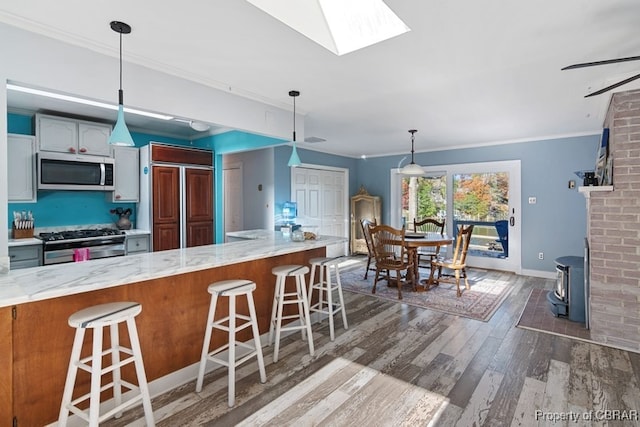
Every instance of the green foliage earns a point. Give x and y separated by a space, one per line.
480 196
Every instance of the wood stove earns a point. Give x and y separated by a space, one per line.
567 299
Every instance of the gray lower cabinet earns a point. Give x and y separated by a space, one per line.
25 256
137 244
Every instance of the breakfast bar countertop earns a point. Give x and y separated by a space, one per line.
41 283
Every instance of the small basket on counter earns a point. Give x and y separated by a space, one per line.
23 225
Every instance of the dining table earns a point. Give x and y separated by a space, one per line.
415 240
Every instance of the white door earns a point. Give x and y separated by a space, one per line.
486 195
233 203
333 203
492 246
321 196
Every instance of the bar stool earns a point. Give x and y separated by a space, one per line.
231 289
325 304
97 318
281 297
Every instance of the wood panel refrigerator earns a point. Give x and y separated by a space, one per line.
176 196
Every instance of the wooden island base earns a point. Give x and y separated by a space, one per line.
171 329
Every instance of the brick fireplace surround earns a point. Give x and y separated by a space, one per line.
614 232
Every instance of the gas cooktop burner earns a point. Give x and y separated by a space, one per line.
79 234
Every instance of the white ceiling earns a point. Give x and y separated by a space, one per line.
469 73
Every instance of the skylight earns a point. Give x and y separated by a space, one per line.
341 26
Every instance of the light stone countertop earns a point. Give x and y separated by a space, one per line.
135 232
24 242
41 283
252 234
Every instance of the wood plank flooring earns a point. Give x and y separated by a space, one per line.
399 365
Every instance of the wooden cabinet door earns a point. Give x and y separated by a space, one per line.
166 236
166 207
199 233
199 206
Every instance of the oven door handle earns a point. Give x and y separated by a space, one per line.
105 252
95 252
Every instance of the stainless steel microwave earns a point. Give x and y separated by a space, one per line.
60 171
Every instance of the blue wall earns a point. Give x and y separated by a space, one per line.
555 225
230 142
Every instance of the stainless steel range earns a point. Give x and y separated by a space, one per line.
65 246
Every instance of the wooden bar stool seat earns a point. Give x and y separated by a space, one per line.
96 318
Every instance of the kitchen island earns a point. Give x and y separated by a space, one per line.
35 304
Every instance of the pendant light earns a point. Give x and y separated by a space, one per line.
294 160
120 134
412 169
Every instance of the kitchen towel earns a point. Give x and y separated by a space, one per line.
81 254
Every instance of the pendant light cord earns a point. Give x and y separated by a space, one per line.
121 61
293 94
120 28
294 118
120 95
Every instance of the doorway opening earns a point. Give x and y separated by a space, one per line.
486 195
321 194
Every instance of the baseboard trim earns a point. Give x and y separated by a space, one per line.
539 273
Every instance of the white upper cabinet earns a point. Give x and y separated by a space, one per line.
21 170
93 138
56 134
127 175
71 136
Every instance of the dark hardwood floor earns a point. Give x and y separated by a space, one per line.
399 365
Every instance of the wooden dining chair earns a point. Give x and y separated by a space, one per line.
457 263
428 225
391 254
366 224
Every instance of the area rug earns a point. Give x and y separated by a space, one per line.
479 302
537 316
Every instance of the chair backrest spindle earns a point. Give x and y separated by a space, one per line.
429 225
